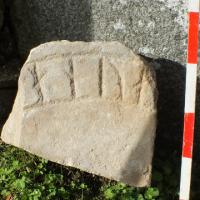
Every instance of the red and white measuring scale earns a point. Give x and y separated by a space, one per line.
190 96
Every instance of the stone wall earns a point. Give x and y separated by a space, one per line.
156 29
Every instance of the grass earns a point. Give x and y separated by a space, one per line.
27 177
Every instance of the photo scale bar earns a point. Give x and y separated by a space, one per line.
190 96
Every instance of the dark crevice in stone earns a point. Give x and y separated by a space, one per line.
10 63
7 24
72 84
100 76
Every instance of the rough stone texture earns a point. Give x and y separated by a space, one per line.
1 13
87 105
153 28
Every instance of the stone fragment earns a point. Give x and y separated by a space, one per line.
87 105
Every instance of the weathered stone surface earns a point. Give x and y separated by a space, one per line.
87 105
155 28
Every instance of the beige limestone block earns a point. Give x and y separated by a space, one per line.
87 105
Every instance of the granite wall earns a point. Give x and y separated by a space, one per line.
156 29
